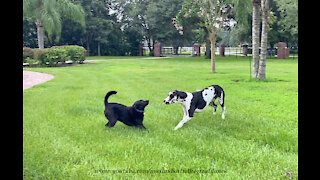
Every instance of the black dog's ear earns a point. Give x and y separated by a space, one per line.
181 94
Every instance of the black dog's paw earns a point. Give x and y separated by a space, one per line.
141 127
108 125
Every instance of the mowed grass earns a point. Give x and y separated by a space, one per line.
64 133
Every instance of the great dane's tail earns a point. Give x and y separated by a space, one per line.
107 96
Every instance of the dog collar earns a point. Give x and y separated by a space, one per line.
138 110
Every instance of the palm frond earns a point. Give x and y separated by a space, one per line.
71 11
51 22
30 8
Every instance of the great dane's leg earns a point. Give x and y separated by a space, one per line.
188 115
181 123
185 112
184 119
214 106
221 102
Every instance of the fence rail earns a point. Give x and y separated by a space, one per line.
235 51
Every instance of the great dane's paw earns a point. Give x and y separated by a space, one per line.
176 128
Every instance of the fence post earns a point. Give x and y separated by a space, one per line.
222 50
196 50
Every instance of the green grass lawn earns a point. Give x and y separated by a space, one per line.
64 133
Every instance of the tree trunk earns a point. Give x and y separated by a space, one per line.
40 34
99 54
88 49
176 49
149 44
208 47
264 37
88 45
255 38
213 42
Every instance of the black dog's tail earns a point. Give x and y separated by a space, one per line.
107 96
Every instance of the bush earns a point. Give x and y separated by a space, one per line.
37 53
52 56
75 53
31 61
27 53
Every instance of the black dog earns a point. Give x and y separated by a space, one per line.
131 116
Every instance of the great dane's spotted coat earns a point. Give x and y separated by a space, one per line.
197 101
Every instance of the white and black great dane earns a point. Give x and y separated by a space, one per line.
197 101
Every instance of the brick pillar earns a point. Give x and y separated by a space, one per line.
196 49
282 50
287 52
157 50
222 49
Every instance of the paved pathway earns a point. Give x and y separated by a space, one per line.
33 78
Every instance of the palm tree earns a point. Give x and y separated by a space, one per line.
255 36
264 37
47 15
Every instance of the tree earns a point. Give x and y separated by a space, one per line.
135 14
161 14
264 37
214 15
99 24
29 34
47 15
153 18
255 36
288 20
191 28
259 65
282 22
241 31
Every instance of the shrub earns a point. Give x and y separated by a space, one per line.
27 52
75 53
37 53
31 61
52 56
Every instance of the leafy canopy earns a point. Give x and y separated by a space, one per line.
50 13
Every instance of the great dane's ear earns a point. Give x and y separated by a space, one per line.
174 92
181 94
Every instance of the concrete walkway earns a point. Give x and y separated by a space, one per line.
33 78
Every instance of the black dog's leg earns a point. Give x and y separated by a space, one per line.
111 123
140 126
